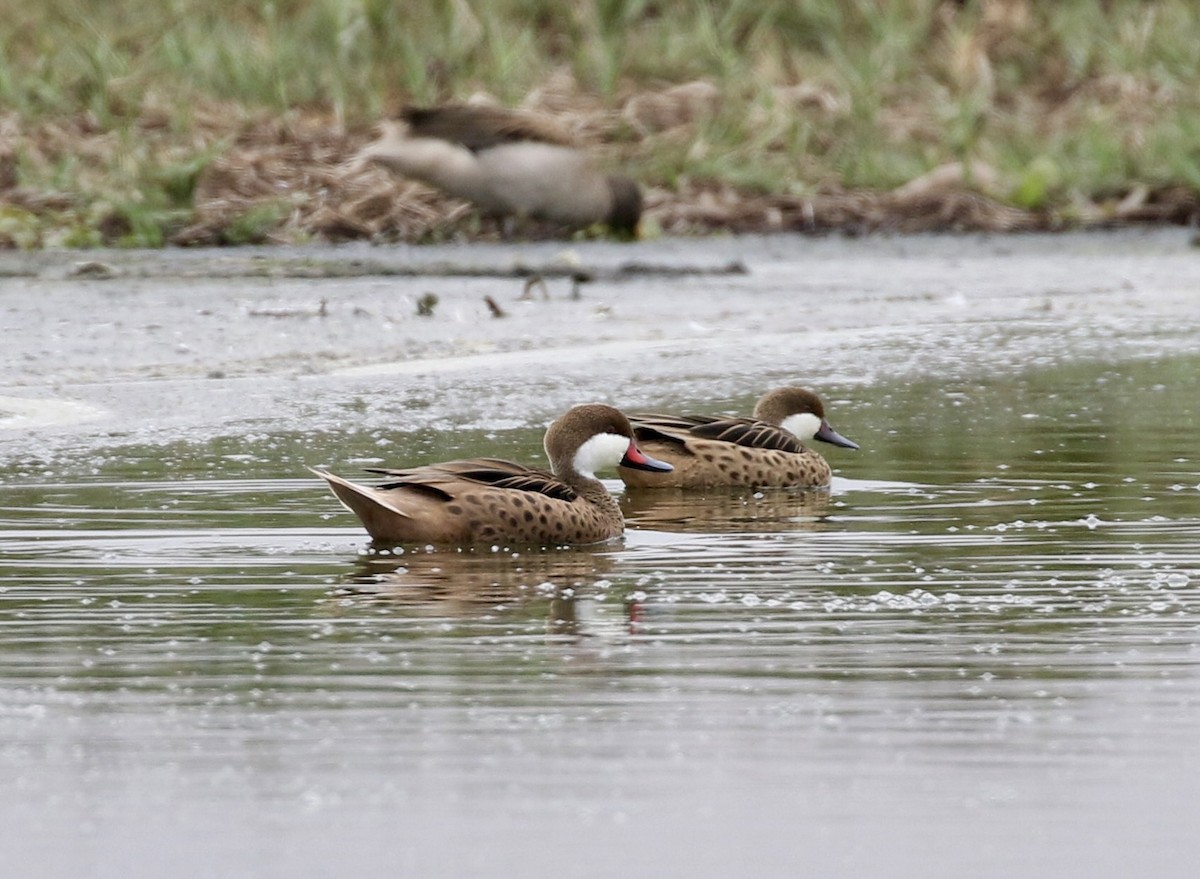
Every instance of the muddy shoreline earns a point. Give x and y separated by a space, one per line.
169 345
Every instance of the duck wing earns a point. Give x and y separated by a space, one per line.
480 128
749 432
443 479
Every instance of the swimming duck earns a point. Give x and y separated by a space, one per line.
489 500
506 162
767 449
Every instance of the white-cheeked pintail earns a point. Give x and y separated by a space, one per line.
764 450
493 501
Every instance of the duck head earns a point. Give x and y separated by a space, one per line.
800 412
595 437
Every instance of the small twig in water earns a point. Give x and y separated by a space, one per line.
494 307
426 304
577 279
530 283
321 310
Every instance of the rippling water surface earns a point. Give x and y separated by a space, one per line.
977 656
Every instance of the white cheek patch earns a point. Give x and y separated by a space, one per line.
604 451
803 425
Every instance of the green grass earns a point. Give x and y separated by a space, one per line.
1065 100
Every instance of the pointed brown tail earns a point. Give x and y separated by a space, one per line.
378 516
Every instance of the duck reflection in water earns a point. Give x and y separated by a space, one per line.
568 586
727 510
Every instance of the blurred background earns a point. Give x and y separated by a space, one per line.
205 122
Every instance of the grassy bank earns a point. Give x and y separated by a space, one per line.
206 121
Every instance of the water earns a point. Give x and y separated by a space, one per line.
977 656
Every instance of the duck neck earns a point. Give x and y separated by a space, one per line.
592 490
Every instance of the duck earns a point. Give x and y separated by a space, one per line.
509 163
766 449
495 501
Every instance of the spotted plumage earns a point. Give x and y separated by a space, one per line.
766 449
491 500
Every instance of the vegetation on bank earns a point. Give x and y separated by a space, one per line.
228 121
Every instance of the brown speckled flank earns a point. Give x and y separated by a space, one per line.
489 500
709 451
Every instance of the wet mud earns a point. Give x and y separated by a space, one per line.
168 345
